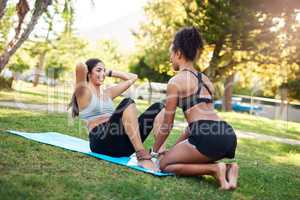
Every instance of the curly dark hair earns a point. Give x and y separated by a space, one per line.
188 40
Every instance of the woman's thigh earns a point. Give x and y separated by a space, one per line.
183 152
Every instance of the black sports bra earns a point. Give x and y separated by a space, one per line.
194 99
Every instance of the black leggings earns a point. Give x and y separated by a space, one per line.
110 138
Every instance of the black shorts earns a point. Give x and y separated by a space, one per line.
214 139
110 138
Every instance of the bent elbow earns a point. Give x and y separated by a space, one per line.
80 66
80 69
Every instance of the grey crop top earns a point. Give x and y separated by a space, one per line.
96 108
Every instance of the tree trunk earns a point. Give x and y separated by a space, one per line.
16 42
213 64
39 68
14 76
227 99
150 93
3 4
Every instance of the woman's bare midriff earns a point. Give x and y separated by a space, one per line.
202 111
99 120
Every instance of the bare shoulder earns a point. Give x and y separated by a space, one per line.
178 79
174 82
208 82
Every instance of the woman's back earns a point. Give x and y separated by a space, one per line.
195 95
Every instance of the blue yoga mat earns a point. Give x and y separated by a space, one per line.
82 146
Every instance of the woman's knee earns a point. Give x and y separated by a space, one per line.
127 101
123 105
130 112
157 106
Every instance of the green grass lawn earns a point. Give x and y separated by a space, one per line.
30 170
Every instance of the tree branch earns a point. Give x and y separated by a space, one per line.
39 8
3 4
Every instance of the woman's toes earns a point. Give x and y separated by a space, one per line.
233 174
221 176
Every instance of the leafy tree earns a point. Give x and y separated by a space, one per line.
108 51
54 69
237 33
29 14
21 34
5 24
3 4
19 63
63 54
144 71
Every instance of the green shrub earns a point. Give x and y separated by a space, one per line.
5 83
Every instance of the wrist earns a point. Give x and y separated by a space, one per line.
153 153
109 73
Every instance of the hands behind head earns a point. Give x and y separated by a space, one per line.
108 72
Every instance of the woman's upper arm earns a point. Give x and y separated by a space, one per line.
82 94
81 73
171 104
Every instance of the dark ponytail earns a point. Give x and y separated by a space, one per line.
74 105
90 63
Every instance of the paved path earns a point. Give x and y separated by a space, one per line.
35 107
178 124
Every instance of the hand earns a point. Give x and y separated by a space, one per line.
107 72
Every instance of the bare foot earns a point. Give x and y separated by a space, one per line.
220 175
233 173
161 154
148 164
